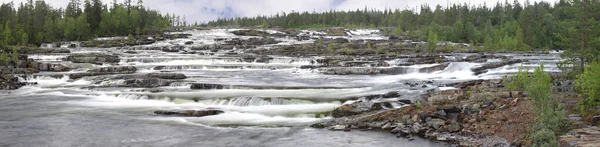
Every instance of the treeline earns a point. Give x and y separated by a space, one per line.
511 26
37 22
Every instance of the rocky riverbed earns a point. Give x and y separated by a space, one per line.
339 79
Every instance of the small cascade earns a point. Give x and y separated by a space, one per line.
112 82
133 97
47 58
282 60
216 67
254 101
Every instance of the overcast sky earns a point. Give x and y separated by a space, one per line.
206 10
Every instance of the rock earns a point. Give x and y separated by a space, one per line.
51 67
355 108
206 86
417 128
503 107
584 137
340 41
453 127
131 52
46 51
10 82
595 120
115 70
94 58
146 82
173 49
436 123
188 113
105 71
351 71
162 75
441 113
492 65
464 85
250 33
449 109
387 126
338 128
189 42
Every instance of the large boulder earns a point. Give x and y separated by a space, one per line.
115 70
250 33
10 82
188 113
94 58
589 136
51 67
492 65
104 71
351 71
207 86
147 82
167 75
355 109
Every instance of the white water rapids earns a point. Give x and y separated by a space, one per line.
276 93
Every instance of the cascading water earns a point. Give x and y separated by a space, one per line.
251 90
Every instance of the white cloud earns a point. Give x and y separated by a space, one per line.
206 10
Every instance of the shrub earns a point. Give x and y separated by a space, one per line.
544 138
518 80
432 40
550 114
15 55
418 106
3 58
588 85
332 47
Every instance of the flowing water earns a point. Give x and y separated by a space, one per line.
264 104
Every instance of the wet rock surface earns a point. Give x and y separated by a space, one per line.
188 113
94 58
10 82
250 33
484 68
105 71
167 75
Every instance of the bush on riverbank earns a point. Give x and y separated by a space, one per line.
518 80
550 114
588 85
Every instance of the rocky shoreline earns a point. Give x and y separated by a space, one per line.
476 113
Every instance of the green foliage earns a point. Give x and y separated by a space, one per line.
320 41
3 58
550 114
544 138
15 55
398 30
24 39
518 80
588 85
380 50
36 22
418 106
432 41
332 47
8 35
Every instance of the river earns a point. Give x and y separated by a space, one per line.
265 103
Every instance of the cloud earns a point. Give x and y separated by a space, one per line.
206 10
